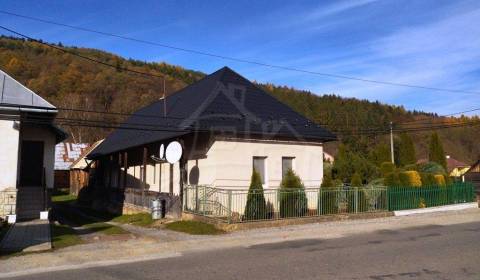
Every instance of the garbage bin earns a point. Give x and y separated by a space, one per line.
158 208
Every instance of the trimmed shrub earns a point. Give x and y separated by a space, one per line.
440 180
428 179
293 200
256 207
356 180
392 179
387 168
432 167
327 182
410 178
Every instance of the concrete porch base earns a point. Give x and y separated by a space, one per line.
31 236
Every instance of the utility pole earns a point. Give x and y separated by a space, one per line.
391 142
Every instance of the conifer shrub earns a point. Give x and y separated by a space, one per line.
440 180
357 200
392 179
293 200
387 168
410 179
428 179
356 181
327 201
256 207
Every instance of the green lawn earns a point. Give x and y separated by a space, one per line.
141 219
70 212
194 227
64 236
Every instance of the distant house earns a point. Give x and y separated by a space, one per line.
328 157
79 170
226 126
456 168
65 154
473 175
27 149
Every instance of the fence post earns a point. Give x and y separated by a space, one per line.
196 199
356 200
229 206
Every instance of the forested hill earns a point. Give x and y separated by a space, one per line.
68 81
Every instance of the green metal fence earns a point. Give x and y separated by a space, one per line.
402 198
236 206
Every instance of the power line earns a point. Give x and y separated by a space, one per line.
259 63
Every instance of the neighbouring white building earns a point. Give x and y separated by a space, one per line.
27 149
227 126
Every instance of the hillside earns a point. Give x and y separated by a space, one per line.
71 82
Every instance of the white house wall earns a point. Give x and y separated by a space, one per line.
38 133
9 131
228 163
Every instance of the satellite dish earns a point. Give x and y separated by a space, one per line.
173 153
161 152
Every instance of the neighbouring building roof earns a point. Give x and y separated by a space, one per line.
222 102
66 153
82 162
14 94
453 163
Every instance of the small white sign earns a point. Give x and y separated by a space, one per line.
44 215
161 152
11 219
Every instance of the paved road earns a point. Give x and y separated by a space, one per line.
426 252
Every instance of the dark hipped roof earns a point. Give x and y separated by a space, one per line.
223 102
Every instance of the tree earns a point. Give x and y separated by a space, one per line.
406 150
293 200
348 162
380 154
435 150
256 207
356 181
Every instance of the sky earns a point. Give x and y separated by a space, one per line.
431 43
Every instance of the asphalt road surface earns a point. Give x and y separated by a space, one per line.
427 252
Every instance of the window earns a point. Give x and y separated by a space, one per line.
259 166
287 163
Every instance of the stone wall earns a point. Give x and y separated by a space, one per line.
8 201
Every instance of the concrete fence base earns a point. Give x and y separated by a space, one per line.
283 222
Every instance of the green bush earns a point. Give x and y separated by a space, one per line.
360 198
410 178
432 167
427 179
440 180
387 168
356 180
328 201
256 207
392 179
327 182
293 200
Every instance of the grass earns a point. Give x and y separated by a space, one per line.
73 215
194 227
64 236
140 219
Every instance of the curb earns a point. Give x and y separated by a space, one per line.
454 207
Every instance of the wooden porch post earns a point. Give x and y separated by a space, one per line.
144 173
125 167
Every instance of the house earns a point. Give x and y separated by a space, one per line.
79 170
328 157
220 128
65 154
27 149
473 175
456 168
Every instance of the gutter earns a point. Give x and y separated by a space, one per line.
23 109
